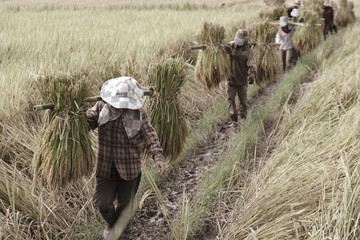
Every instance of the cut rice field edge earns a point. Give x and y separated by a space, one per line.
182 180
308 186
195 184
243 145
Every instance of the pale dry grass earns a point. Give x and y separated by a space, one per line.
309 188
122 2
103 42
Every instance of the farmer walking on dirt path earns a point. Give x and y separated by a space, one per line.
328 15
284 38
242 71
123 126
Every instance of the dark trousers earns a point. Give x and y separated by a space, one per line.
295 56
107 190
241 91
331 28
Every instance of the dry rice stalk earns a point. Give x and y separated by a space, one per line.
273 13
350 5
308 3
316 8
267 57
212 65
274 2
64 153
308 38
344 15
165 112
310 190
343 3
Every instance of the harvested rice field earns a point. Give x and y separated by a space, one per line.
287 171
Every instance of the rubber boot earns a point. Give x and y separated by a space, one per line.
234 117
243 114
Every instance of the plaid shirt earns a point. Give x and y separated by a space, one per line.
115 148
242 61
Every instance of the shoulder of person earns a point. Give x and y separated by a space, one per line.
142 110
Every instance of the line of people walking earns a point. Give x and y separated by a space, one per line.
288 25
243 66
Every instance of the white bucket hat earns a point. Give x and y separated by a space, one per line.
295 12
240 37
283 21
327 4
123 92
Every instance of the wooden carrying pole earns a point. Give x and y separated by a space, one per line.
301 24
37 108
306 24
198 47
202 47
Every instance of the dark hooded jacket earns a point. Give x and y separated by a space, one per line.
242 63
328 15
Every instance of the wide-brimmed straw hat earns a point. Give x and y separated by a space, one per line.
240 37
295 12
283 21
123 92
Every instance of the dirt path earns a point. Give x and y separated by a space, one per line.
149 222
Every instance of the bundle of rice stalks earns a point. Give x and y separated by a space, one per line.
308 3
316 8
273 14
350 7
288 184
267 57
212 64
343 3
165 112
64 152
344 14
274 2
212 33
307 38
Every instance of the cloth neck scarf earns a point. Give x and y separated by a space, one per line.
132 118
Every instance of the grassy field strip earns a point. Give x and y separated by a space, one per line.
309 186
35 211
205 200
213 3
91 39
